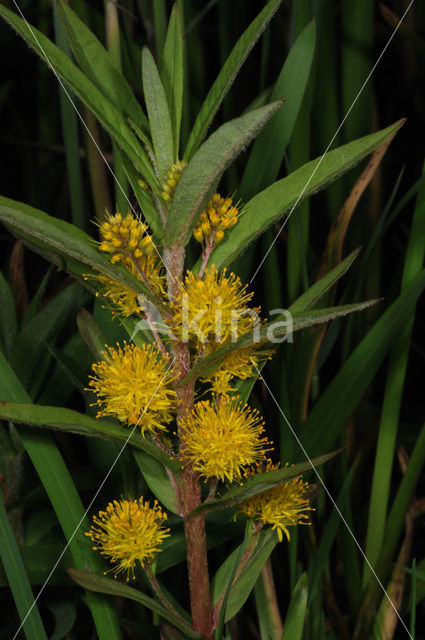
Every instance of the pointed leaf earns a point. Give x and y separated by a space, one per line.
158 114
75 422
272 332
295 618
313 294
259 483
98 65
268 206
239 592
207 166
84 88
74 249
158 478
337 403
115 588
227 75
172 74
65 500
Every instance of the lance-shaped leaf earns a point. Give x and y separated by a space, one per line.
74 422
158 114
83 87
172 74
268 206
272 332
207 166
143 196
65 245
97 64
313 294
115 588
65 500
295 618
232 593
227 75
261 482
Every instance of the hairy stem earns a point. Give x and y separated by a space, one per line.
197 563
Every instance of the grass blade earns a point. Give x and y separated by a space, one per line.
18 580
63 495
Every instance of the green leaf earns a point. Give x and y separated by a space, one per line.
98 65
207 166
115 588
144 198
338 402
172 74
269 148
159 479
18 580
158 114
259 483
63 495
227 75
84 88
75 250
268 206
313 294
31 341
272 332
91 333
295 618
75 422
240 590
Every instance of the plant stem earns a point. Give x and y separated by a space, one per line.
194 528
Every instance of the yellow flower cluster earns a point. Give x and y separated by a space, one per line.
173 177
219 439
129 531
213 308
125 238
133 384
283 506
218 216
213 312
127 241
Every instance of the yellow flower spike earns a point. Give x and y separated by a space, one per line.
133 384
283 506
217 215
216 295
220 439
173 176
126 239
129 531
